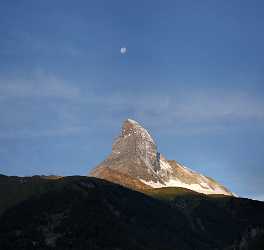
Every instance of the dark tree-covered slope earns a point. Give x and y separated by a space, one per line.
89 213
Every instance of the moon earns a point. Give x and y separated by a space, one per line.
123 50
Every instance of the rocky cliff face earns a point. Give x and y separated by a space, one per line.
136 163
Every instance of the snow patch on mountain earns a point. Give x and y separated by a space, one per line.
200 188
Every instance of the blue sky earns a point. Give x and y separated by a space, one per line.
193 75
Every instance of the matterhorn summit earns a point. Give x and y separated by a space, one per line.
136 163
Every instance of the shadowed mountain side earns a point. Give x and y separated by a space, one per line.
218 216
15 189
88 213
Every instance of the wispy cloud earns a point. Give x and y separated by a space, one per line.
48 132
40 85
179 108
68 108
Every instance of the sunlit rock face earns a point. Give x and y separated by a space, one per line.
135 157
135 142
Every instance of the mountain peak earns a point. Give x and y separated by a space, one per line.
132 128
134 155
